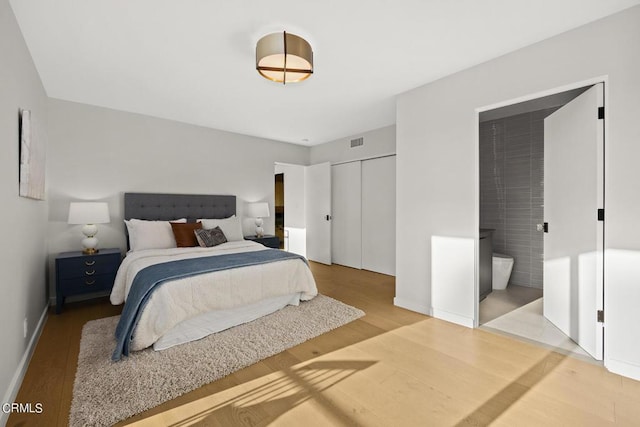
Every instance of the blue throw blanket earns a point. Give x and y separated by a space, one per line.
150 278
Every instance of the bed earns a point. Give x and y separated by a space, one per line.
175 295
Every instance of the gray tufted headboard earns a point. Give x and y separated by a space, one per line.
165 207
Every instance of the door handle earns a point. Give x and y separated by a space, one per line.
328 217
543 227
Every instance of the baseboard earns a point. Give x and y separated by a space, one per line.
16 381
411 305
78 298
623 368
453 318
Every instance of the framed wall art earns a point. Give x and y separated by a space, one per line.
32 159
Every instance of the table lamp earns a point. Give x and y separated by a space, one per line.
258 211
89 214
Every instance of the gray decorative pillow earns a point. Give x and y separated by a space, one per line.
209 238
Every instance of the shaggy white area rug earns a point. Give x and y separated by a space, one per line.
105 392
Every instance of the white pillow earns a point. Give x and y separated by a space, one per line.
151 234
231 227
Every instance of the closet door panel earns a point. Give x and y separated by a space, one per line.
379 215
346 231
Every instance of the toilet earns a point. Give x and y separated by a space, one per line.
501 271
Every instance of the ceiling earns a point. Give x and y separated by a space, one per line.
194 60
550 101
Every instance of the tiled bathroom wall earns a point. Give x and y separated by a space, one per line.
512 190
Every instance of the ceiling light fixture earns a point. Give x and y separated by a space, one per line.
284 58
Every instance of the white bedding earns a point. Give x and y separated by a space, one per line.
218 320
182 299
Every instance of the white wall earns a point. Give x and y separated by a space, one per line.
450 278
437 163
98 154
23 254
379 215
378 142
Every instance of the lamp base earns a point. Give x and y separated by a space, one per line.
90 245
259 229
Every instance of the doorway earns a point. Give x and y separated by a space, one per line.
279 207
527 165
289 197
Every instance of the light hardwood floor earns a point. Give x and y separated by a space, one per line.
390 368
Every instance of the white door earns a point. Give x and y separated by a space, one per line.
379 215
318 212
346 222
573 245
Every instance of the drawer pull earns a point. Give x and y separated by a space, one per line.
90 282
87 263
90 273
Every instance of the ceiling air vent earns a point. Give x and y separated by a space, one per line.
357 142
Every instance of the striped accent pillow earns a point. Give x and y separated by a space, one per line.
211 237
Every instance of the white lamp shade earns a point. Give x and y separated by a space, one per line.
88 213
258 210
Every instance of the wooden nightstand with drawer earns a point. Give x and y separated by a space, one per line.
77 273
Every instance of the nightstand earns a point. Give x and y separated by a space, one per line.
268 240
77 273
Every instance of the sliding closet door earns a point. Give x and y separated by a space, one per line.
346 231
379 215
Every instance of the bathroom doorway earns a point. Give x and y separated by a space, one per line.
512 218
